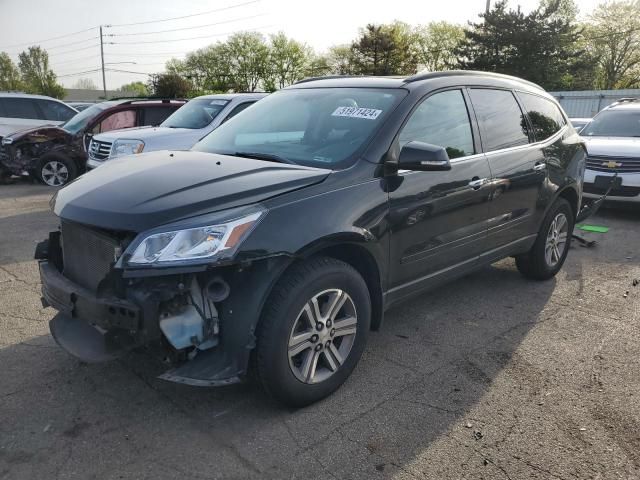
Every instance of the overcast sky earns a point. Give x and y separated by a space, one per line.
319 23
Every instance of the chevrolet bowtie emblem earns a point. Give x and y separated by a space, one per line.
611 164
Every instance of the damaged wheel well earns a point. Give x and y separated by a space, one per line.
571 196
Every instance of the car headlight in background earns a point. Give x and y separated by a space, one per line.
127 147
7 141
194 243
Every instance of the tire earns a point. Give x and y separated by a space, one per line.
283 373
542 262
56 171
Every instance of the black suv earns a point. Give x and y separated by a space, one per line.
282 237
57 154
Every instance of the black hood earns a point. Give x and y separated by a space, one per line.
42 133
145 191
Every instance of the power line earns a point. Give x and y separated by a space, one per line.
146 54
72 60
79 73
65 44
74 50
185 16
187 28
49 39
127 71
186 39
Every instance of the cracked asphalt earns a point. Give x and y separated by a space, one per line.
490 377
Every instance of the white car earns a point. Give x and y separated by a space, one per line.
180 131
21 110
612 140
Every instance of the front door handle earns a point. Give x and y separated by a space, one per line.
476 182
539 166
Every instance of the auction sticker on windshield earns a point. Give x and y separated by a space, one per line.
354 112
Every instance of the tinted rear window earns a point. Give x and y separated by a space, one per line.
546 119
20 108
156 115
502 124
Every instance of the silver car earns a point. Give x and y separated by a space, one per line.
180 131
612 140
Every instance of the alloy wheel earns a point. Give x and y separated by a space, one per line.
55 173
322 336
556 242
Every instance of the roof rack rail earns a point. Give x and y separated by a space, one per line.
137 99
627 100
323 77
454 73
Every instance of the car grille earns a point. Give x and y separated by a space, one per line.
99 150
87 255
614 164
619 192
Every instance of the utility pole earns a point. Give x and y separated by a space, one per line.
104 81
488 6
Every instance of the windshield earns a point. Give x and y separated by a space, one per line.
80 120
319 127
614 123
195 114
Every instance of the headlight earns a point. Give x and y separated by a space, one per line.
7 141
126 147
194 243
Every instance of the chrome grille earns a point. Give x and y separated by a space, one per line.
613 164
99 150
87 255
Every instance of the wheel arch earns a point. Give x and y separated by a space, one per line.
365 263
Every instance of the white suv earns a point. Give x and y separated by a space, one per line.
180 131
21 110
612 140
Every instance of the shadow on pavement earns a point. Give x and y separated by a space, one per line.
434 359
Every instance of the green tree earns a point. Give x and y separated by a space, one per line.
436 45
247 55
139 89
384 50
341 60
542 46
9 73
169 85
288 61
36 74
613 38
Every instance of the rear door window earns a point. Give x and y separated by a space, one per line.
156 115
116 121
443 120
20 108
55 111
502 123
545 116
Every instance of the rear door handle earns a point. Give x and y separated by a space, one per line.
539 166
476 183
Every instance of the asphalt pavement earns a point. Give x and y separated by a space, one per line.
490 377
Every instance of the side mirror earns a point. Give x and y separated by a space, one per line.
423 157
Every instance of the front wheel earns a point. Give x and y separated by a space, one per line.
313 331
56 171
549 252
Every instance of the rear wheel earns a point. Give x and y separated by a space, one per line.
313 331
56 171
549 252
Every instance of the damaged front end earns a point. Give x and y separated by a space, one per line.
195 318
